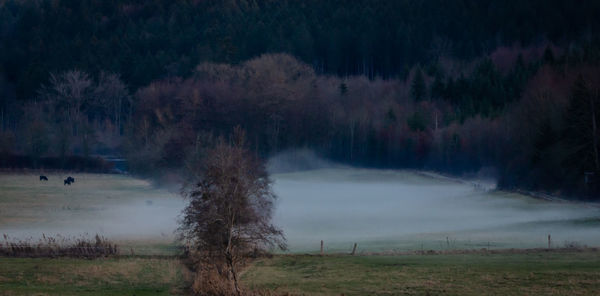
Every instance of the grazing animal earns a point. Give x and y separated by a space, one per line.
43 178
71 179
67 182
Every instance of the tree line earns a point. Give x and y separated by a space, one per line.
158 82
542 133
148 40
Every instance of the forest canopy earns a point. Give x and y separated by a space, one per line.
147 40
458 87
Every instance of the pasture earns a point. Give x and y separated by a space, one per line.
384 211
538 273
381 210
112 276
132 212
390 210
575 272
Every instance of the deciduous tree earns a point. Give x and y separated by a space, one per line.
230 208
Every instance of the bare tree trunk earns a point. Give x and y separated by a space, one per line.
146 127
130 109
351 140
594 131
233 273
118 112
229 256
274 137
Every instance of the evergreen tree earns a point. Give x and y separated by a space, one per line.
343 88
437 87
548 55
581 132
418 89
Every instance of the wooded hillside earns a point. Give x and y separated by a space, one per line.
511 87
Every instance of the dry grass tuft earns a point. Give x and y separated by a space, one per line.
58 247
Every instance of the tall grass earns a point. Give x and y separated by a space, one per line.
59 246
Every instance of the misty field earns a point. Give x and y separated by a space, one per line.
387 210
378 209
124 209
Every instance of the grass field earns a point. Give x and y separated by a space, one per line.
65 276
406 212
129 211
538 273
381 210
574 273
399 210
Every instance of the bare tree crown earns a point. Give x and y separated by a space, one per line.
231 204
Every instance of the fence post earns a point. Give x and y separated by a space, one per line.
549 241
321 247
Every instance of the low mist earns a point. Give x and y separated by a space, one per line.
115 206
133 221
407 210
298 160
381 210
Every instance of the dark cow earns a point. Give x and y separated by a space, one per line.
67 182
71 179
43 178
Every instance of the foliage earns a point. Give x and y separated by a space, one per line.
149 40
399 84
418 89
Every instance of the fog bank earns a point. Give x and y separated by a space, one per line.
403 210
115 206
381 210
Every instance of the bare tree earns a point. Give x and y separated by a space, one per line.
34 133
69 92
111 96
230 208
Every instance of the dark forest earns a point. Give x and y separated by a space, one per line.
511 88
